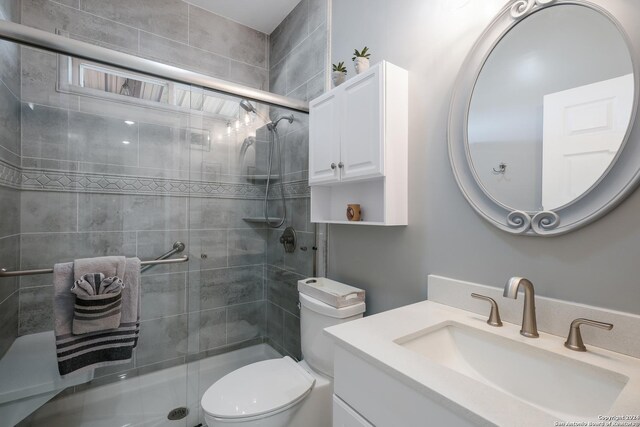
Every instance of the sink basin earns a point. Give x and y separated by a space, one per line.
560 385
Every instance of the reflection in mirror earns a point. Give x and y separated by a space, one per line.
552 104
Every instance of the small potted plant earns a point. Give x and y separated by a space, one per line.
361 60
339 74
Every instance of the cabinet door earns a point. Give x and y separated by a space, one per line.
324 139
361 151
344 416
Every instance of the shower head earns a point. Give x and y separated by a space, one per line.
248 107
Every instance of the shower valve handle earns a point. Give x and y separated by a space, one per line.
340 165
333 166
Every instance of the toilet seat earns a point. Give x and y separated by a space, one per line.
258 390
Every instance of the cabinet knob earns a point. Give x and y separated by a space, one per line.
340 165
333 165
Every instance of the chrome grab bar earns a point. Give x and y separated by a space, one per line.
177 247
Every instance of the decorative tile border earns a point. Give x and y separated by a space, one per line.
83 182
10 175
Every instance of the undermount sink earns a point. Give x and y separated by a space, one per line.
560 385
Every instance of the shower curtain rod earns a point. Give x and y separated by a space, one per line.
32 37
5 273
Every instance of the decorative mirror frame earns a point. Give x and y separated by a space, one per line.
623 175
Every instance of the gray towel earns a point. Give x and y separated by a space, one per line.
94 350
110 266
98 303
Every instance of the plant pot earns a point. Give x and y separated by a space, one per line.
361 64
338 77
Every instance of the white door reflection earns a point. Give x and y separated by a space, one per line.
582 132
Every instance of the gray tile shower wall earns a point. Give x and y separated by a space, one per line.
298 52
170 31
297 68
9 177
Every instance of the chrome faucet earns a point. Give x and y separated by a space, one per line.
529 327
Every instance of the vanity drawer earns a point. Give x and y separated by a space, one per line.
345 416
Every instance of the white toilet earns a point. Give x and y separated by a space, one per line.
282 392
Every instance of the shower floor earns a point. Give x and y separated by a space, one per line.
145 401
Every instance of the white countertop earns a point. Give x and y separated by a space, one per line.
372 338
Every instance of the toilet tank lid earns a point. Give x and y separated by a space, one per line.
330 292
326 310
257 389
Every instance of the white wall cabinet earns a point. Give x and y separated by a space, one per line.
358 138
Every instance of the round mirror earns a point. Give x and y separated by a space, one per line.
550 109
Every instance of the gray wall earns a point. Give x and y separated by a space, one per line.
298 64
9 177
596 265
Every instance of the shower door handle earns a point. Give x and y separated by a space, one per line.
333 166
340 165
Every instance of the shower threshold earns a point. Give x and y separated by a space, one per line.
145 400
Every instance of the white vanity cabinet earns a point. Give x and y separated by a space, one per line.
345 416
358 137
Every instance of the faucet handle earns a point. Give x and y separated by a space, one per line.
574 340
494 315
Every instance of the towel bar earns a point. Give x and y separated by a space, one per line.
5 273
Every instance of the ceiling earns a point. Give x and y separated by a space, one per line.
261 15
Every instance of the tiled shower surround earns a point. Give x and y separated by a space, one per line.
9 178
84 193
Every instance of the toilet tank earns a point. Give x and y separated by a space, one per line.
315 316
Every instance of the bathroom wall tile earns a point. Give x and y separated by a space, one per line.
36 314
228 286
245 321
71 3
162 339
152 244
275 324
317 13
212 32
49 16
297 213
39 80
43 250
307 59
167 18
117 212
184 56
163 295
212 213
98 139
43 211
275 250
291 335
296 156
208 249
8 323
9 211
163 147
278 78
10 258
45 132
301 261
10 10
10 71
212 329
9 120
282 289
247 247
249 75
291 31
316 86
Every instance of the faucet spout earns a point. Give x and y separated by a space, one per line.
529 324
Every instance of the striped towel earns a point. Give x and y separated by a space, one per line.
98 303
96 349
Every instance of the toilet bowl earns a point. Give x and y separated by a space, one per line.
283 392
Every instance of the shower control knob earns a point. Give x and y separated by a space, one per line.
333 165
340 165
